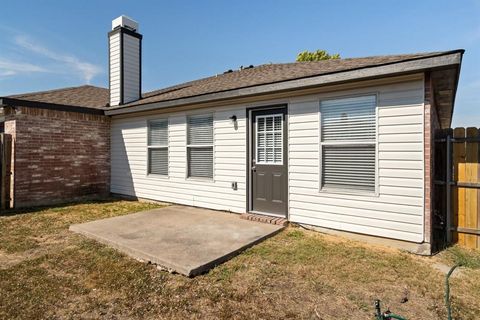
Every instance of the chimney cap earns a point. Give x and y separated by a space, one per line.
125 22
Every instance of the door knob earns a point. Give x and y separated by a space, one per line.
254 168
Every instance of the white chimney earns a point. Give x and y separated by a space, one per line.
125 61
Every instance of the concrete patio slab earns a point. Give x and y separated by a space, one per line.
187 240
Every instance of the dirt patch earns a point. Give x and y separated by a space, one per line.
8 260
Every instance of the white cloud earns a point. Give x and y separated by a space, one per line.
10 68
84 69
6 73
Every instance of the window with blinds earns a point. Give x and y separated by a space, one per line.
200 146
348 144
158 147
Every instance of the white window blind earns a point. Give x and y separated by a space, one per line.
200 146
349 143
158 147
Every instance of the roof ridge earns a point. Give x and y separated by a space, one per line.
424 54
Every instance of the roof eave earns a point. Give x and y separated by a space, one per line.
5 101
419 65
457 80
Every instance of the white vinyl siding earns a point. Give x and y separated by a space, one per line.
158 147
348 143
396 210
200 146
131 68
114 42
129 165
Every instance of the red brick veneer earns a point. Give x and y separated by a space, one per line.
58 156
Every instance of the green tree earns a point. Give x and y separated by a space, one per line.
316 55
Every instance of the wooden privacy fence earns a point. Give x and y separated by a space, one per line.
457 190
5 170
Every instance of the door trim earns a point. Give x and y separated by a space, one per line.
249 160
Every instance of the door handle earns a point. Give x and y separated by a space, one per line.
254 168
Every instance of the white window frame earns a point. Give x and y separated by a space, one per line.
281 143
155 146
347 191
188 145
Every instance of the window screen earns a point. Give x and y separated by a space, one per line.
348 143
158 147
200 146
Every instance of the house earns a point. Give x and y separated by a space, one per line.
340 144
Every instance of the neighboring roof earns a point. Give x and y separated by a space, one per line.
270 74
83 96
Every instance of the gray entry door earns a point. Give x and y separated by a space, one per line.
269 161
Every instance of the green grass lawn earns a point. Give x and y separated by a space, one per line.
48 272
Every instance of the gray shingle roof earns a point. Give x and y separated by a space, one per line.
272 73
83 96
98 98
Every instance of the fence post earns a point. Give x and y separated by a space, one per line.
2 172
478 190
448 186
459 175
5 158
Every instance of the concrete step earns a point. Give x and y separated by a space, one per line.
265 219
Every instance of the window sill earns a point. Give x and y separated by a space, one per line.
200 179
157 176
349 192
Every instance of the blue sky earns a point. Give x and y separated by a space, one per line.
51 44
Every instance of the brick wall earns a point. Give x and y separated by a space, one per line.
58 156
431 125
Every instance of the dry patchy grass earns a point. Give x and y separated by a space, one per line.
48 272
